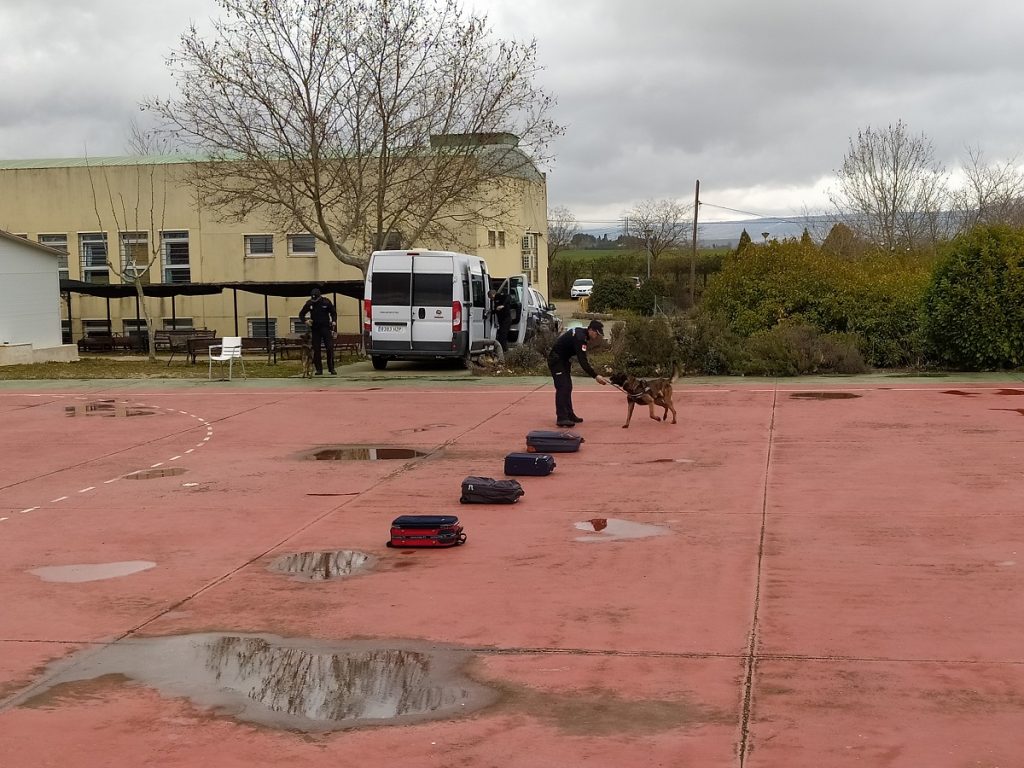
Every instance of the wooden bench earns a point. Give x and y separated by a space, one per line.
200 345
101 342
177 340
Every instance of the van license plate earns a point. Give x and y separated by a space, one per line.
390 328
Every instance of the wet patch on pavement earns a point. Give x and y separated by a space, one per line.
322 566
611 529
959 392
823 395
76 574
153 474
1010 392
365 453
285 683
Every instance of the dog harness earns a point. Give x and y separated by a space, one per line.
643 391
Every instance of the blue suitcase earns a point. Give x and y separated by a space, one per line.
537 464
550 441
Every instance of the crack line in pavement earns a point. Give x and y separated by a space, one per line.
748 677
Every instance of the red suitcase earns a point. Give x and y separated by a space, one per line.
426 531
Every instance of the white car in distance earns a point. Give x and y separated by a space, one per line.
582 287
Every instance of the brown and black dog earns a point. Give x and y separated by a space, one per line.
306 355
649 392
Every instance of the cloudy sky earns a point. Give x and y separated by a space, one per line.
756 98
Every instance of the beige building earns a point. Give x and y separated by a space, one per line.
141 210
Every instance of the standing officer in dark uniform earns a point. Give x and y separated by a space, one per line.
572 344
322 322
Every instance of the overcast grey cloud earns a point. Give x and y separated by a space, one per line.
756 99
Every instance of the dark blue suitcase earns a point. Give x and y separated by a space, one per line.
549 441
537 464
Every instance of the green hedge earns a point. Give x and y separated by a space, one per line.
974 306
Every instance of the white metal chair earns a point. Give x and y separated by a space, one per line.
229 350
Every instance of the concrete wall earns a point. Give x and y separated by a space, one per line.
29 295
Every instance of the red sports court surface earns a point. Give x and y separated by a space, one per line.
792 575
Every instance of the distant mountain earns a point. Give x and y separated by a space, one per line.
712 234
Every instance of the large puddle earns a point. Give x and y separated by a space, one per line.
322 566
365 453
105 408
76 574
611 529
285 683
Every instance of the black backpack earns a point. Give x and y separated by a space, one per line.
487 490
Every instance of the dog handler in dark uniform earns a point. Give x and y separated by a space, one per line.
323 320
572 344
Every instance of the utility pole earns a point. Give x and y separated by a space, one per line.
693 255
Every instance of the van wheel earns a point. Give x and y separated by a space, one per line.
379 363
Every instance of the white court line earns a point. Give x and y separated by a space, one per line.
114 480
154 466
54 501
206 438
199 445
174 458
190 450
90 488
2 519
26 511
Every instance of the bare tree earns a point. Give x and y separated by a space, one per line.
891 189
363 122
562 228
660 225
138 220
992 193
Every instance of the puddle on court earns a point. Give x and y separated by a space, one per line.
612 529
1010 392
823 395
106 408
152 474
365 453
959 392
322 566
76 574
292 684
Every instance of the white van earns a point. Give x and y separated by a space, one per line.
421 305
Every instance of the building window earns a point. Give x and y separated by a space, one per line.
65 331
298 326
496 238
135 256
262 328
301 245
95 328
92 250
392 241
58 243
134 326
259 245
174 252
178 324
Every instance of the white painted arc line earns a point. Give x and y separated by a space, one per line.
154 466
114 480
206 438
60 498
174 458
26 511
2 519
190 450
86 490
